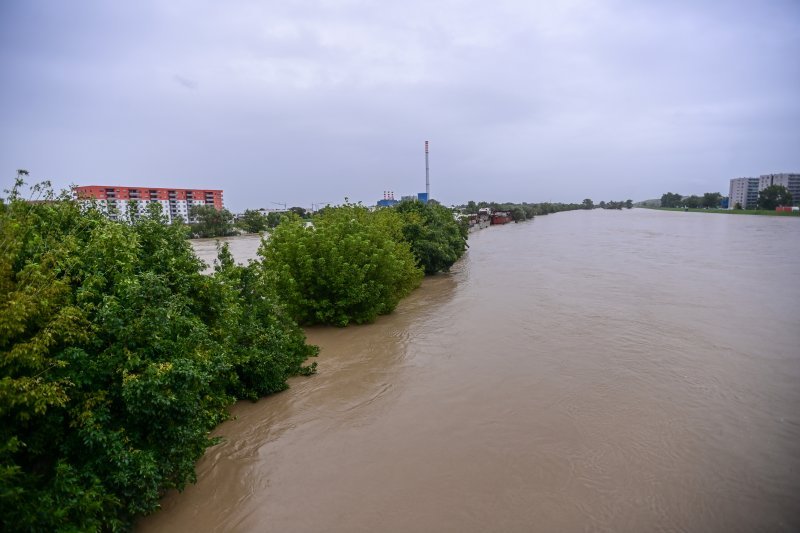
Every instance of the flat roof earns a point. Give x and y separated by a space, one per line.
149 188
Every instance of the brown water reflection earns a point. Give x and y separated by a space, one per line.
609 371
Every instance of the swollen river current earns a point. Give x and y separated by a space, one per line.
598 370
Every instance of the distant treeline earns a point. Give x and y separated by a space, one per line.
709 200
525 211
611 204
208 221
768 199
520 212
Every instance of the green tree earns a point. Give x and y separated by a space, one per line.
436 238
629 204
252 221
588 204
671 200
299 211
209 221
350 266
530 210
517 214
117 356
264 345
274 218
693 202
711 200
773 196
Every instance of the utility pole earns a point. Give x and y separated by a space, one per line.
280 203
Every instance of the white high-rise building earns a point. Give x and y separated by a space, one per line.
744 192
116 200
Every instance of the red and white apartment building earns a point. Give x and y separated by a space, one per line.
116 200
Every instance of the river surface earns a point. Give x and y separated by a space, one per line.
243 247
586 371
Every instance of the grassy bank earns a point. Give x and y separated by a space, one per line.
732 211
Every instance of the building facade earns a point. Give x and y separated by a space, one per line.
116 201
790 181
744 192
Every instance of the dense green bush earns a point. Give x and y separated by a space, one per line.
437 240
117 356
350 266
252 221
208 221
264 344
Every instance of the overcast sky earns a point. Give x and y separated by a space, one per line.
316 100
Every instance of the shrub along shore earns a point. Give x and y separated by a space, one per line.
119 355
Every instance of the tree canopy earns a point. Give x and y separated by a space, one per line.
351 265
208 221
773 196
711 200
274 218
299 211
252 221
613 204
117 356
670 199
530 210
437 240
693 202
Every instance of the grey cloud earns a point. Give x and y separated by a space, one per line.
317 100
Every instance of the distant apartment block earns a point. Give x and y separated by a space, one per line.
790 181
744 191
115 201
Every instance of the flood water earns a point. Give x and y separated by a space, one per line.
243 248
586 371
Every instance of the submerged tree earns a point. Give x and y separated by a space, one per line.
252 221
208 221
117 356
437 240
350 266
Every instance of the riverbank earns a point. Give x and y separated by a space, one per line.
763 212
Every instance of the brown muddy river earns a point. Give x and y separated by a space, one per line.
243 248
586 371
